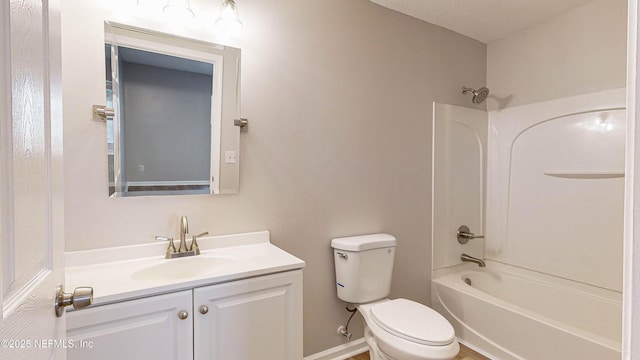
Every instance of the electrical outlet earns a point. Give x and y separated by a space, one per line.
230 157
141 168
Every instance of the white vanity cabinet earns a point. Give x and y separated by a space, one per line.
254 318
147 328
258 318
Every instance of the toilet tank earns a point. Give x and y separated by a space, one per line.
364 265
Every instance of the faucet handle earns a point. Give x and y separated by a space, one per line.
464 235
194 243
170 249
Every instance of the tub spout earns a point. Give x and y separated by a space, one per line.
468 258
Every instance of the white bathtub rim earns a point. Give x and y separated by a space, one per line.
604 295
606 343
535 276
453 280
476 333
482 296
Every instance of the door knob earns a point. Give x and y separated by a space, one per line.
203 309
183 315
81 297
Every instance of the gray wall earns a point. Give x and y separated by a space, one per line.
167 124
580 52
339 96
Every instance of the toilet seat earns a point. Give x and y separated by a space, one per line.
413 322
397 347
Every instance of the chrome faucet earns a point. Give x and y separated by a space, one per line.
468 258
184 230
183 250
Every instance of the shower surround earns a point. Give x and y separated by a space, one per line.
555 174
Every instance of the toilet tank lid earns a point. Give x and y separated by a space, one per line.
364 242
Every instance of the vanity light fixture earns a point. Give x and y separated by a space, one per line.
179 10
229 22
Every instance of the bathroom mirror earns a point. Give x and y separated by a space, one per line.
174 102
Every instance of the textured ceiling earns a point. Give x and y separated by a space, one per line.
483 20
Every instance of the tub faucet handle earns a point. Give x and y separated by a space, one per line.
464 234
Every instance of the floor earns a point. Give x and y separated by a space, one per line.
464 354
468 354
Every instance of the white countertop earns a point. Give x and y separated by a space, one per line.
111 272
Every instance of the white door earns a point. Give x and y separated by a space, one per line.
31 180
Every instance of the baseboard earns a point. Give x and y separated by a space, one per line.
341 352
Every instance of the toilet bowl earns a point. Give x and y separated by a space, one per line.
397 329
401 329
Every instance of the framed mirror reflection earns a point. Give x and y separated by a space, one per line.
174 102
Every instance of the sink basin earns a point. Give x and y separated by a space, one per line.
176 269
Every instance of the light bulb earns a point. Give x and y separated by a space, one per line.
229 21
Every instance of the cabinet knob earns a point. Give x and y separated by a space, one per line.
183 314
204 309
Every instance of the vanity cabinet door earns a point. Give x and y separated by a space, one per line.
149 328
257 318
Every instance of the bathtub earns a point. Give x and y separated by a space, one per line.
511 313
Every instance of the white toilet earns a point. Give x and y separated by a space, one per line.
397 329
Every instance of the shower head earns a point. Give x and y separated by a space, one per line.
478 95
